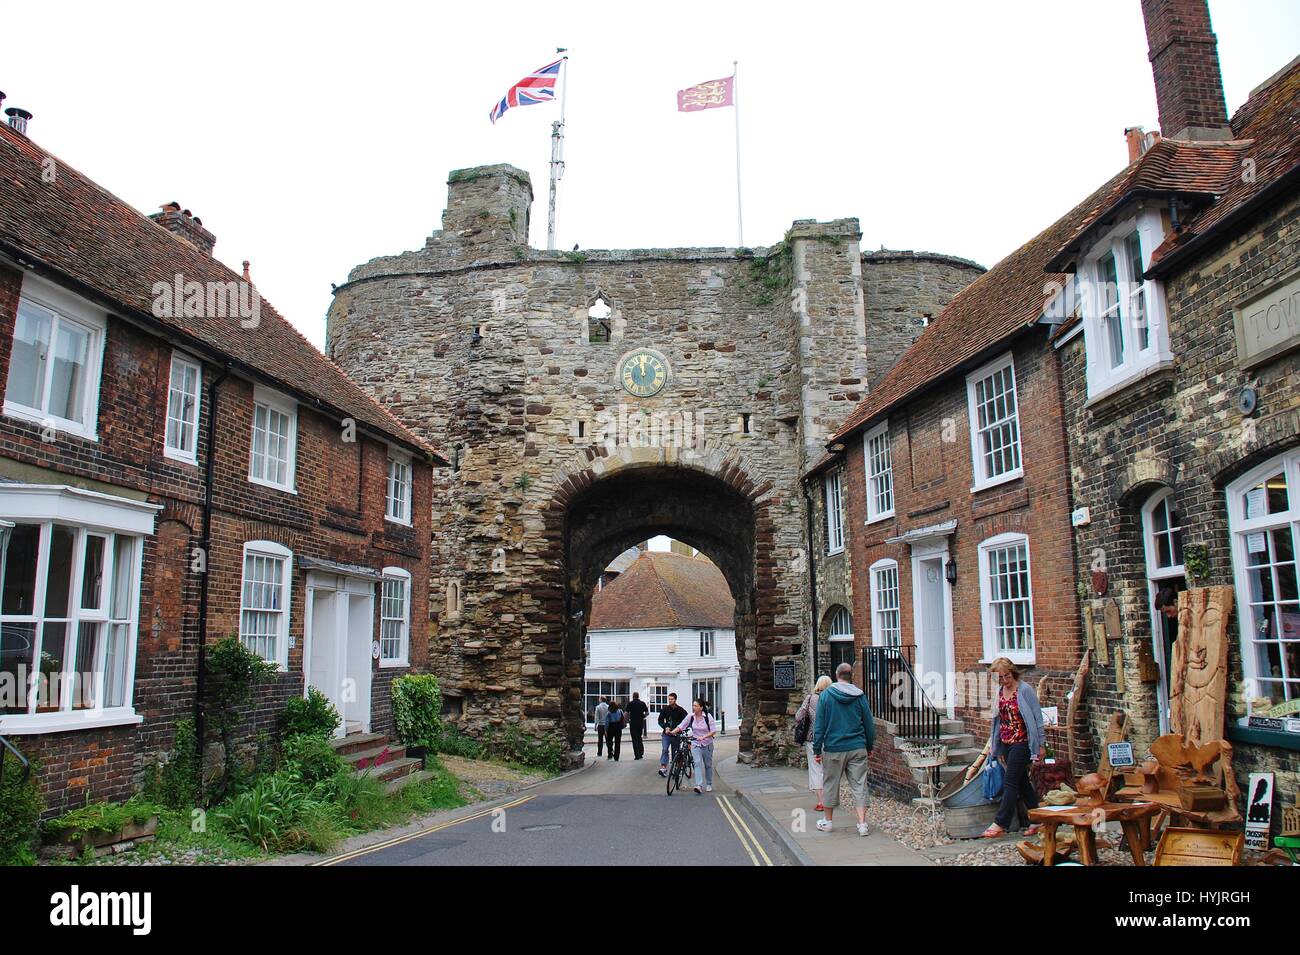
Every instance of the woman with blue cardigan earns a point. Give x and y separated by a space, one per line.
1017 740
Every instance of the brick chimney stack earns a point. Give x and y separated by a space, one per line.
1185 62
185 224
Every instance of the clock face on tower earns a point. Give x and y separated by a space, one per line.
642 373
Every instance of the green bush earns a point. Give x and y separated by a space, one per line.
174 782
452 742
417 705
313 715
311 758
512 746
104 817
279 814
235 671
21 806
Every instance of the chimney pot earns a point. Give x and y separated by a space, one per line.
18 119
183 224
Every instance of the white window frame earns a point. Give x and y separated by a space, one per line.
1104 374
880 481
834 636
1240 529
184 362
879 632
392 513
1154 570
269 549
982 479
708 648
66 308
833 501
404 658
86 513
283 405
991 649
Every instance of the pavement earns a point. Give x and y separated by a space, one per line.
780 798
608 813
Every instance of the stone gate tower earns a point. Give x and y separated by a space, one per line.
590 400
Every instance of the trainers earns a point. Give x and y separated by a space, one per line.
697 789
823 825
663 774
708 789
863 829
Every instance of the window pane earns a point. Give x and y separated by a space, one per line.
89 637
1137 305
54 638
58 579
120 604
17 644
115 664
92 574
68 374
20 570
27 361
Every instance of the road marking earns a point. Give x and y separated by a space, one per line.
737 824
389 843
741 819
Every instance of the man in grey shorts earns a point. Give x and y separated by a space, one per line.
842 738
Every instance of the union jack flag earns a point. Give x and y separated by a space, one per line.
536 87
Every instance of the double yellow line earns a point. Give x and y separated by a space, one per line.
751 844
400 840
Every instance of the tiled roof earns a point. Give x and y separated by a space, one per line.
1269 123
663 590
84 233
1010 297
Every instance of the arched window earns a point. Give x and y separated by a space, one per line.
840 637
1164 535
454 600
886 630
600 323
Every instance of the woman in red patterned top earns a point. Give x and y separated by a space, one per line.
1017 739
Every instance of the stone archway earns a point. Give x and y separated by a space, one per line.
617 497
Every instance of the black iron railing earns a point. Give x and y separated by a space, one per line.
5 745
896 695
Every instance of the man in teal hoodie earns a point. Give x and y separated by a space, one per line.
842 738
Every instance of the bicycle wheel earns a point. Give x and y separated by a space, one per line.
674 777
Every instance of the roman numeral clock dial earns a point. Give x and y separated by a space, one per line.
642 373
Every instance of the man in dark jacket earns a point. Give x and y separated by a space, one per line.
670 717
636 717
843 736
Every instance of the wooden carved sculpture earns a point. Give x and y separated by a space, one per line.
1076 704
1199 677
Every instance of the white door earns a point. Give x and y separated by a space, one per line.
340 621
933 615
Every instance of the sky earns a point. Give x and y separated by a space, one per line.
311 138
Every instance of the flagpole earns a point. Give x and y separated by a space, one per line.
557 152
735 101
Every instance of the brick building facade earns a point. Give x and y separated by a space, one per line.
319 498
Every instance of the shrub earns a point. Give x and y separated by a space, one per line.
311 758
173 782
104 817
235 670
417 705
279 814
313 715
452 742
21 806
512 746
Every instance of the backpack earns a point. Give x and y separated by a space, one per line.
803 726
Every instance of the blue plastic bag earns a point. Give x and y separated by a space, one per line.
993 778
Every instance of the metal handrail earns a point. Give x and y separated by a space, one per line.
896 695
27 766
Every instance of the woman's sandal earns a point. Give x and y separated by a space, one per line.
993 832
819 808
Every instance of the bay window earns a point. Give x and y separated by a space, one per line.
1264 520
69 607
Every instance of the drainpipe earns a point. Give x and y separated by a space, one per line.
812 577
200 681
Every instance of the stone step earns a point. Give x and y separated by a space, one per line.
392 769
355 741
401 782
367 756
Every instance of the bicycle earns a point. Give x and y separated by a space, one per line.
682 764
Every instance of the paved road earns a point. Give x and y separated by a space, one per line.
609 814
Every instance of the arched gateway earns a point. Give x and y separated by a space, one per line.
694 408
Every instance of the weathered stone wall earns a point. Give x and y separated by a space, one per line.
1183 430
484 343
903 290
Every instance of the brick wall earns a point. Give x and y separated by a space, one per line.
337 513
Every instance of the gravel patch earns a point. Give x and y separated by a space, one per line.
490 780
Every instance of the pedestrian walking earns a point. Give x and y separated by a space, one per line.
703 728
843 735
637 712
804 719
1018 740
669 742
614 721
602 710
